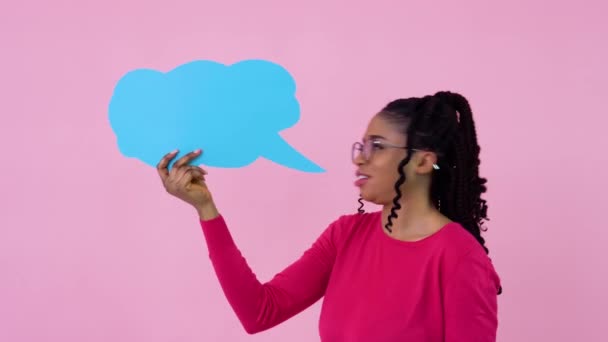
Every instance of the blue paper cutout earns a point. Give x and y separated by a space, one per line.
234 113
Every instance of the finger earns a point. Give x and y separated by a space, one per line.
177 173
199 181
184 181
161 167
190 177
180 166
181 173
187 158
200 169
198 175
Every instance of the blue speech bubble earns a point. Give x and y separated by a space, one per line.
233 112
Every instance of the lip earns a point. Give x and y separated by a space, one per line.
361 181
359 173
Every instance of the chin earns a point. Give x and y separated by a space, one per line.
372 198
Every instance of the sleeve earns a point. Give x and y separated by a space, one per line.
261 306
471 310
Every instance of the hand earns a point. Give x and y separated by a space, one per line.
186 182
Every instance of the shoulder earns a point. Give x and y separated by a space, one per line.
465 257
358 219
347 225
457 242
460 241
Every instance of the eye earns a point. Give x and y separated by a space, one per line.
376 145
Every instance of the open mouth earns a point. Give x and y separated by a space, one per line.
361 179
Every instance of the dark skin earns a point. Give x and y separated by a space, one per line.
187 182
417 219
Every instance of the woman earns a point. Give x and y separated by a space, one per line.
417 270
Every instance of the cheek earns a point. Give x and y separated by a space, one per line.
389 173
387 180
384 178
387 176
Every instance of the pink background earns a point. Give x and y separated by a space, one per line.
93 249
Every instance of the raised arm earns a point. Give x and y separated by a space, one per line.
260 306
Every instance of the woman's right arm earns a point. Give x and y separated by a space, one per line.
259 306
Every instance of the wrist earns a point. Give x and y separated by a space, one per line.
207 212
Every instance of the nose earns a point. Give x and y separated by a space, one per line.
358 159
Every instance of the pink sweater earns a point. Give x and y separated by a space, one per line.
375 288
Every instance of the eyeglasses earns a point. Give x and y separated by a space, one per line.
367 148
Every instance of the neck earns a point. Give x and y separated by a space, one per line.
416 218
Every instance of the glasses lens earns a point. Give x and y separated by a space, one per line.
356 150
367 149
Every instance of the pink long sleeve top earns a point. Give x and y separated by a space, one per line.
374 288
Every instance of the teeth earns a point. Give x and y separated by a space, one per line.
362 177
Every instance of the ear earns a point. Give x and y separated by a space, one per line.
425 161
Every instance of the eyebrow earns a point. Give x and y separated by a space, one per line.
375 136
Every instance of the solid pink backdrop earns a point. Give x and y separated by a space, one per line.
93 249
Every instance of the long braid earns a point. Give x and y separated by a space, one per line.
473 209
444 123
398 184
360 210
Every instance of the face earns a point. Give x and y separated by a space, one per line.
378 174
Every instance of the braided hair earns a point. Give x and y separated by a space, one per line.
443 123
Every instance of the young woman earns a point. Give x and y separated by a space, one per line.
417 270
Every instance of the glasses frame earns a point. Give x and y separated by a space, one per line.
358 148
